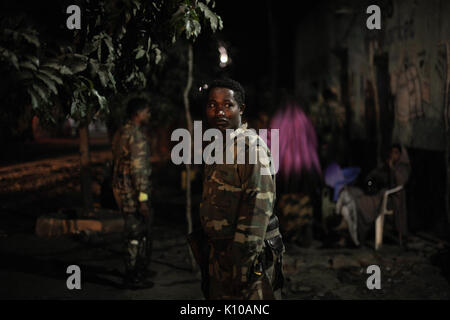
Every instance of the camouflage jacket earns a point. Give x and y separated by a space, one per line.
131 154
237 203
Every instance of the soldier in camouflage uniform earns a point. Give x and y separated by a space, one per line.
131 186
236 212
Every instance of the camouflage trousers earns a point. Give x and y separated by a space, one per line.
126 201
259 287
296 218
137 237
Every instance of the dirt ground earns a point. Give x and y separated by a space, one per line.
33 267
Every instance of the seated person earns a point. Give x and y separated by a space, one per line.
359 208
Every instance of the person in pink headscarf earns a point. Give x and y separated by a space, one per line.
299 173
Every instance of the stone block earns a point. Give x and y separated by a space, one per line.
53 227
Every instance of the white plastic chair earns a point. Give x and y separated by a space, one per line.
379 223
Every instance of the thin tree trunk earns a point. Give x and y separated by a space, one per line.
376 100
85 162
191 131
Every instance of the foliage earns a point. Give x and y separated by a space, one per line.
115 53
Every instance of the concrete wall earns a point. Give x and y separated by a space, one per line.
411 36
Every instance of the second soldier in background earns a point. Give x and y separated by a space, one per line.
131 186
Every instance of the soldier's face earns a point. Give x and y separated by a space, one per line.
395 155
222 110
144 115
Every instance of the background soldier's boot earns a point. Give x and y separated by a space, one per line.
145 249
130 280
144 258
146 273
133 277
133 280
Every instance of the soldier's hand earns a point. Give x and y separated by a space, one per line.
144 209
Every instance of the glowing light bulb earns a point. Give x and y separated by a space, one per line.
224 58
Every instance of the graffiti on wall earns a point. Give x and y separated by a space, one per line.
406 86
398 33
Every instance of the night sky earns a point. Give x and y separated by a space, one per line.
259 37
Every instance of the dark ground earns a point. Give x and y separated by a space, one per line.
35 268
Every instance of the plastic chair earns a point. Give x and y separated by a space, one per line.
379 223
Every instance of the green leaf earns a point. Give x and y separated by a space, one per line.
74 108
40 92
188 27
34 99
52 76
57 66
85 83
158 55
111 79
197 28
130 77
52 120
77 67
52 65
137 4
89 48
98 21
9 57
65 71
28 65
95 66
82 110
33 59
99 52
48 82
103 78
101 99
214 20
77 62
81 57
140 53
31 38
109 44
28 35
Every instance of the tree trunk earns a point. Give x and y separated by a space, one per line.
187 89
85 162
376 98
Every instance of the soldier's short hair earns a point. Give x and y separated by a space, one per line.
135 105
239 92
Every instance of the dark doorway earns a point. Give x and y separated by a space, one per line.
385 99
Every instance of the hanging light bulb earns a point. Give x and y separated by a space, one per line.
224 60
